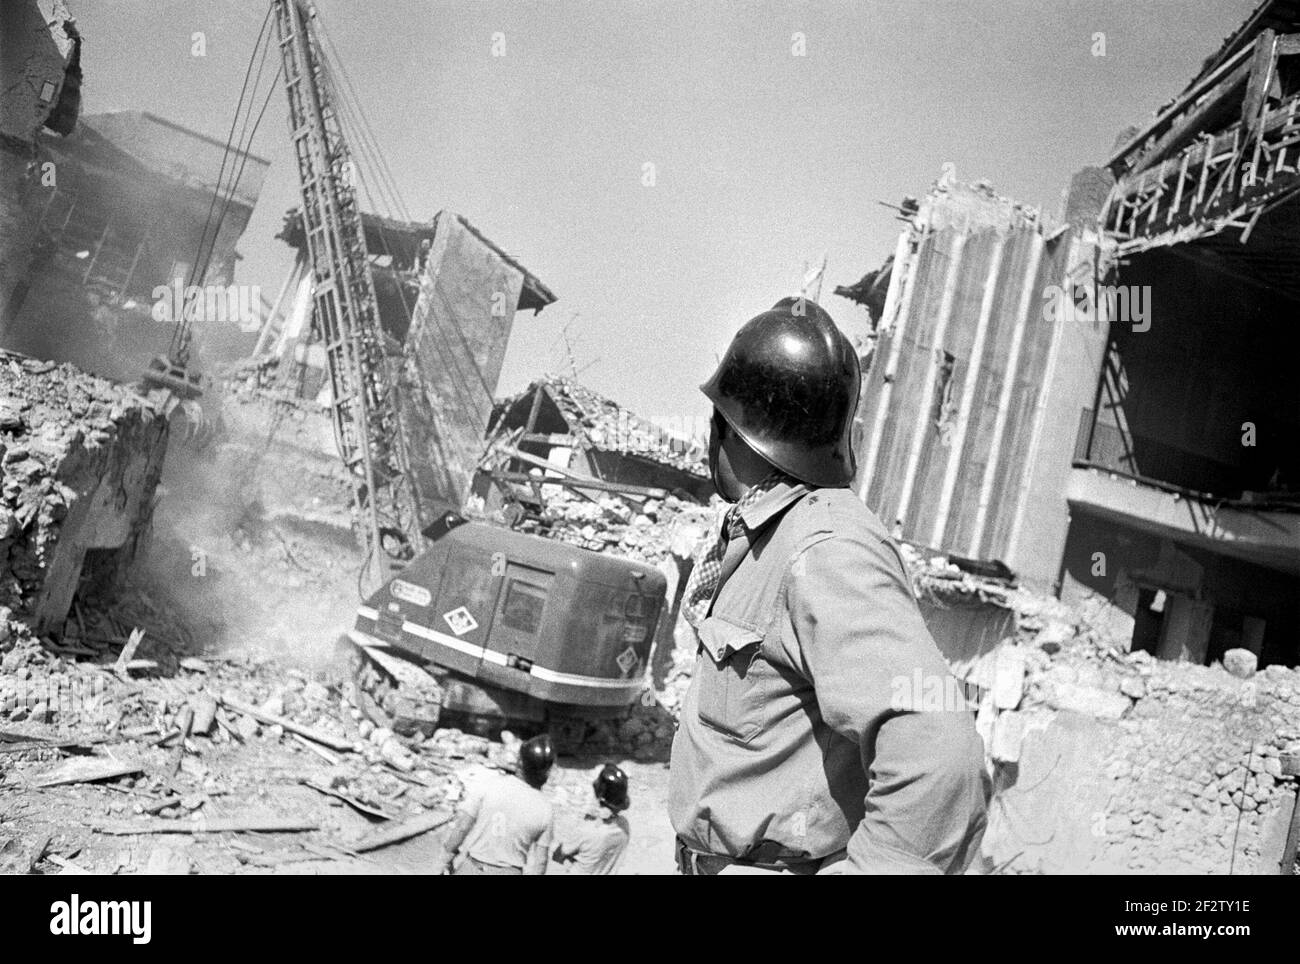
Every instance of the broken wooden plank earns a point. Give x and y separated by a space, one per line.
320 751
278 857
226 728
590 481
128 653
333 742
87 745
209 825
6 737
362 808
405 830
85 770
599 485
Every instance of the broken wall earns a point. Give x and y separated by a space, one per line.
1123 567
32 51
81 460
971 403
455 348
1121 763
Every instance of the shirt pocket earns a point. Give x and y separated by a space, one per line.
736 683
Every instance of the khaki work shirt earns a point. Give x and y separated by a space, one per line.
791 736
513 823
596 845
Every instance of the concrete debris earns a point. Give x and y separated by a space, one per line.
68 438
652 531
1240 663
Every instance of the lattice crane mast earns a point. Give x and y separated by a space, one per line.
363 404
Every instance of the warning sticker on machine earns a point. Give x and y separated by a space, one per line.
410 592
626 660
460 621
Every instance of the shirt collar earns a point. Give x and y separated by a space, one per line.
779 492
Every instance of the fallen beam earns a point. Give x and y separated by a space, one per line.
599 485
85 770
215 825
402 831
324 739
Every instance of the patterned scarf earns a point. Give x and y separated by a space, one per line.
708 567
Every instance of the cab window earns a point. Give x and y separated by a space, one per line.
523 606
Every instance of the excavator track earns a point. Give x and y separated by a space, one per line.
396 693
393 691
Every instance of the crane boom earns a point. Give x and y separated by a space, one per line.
363 406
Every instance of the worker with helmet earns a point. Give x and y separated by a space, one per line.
504 823
597 844
800 747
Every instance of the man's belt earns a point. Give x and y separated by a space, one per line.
695 863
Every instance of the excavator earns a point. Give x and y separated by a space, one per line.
479 621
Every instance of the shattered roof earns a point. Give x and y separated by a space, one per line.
177 152
402 238
603 424
1280 15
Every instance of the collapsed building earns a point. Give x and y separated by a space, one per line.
81 456
1021 406
81 461
120 221
447 301
569 431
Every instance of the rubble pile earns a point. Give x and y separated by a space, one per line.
653 531
239 742
608 426
1190 761
66 437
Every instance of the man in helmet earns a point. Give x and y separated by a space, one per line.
596 845
800 748
504 823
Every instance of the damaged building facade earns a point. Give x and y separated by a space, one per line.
1100 402
81 456
120 219
40 80
447 302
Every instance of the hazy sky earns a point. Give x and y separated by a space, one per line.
763 160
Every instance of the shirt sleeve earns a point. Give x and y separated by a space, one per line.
539 854
864 645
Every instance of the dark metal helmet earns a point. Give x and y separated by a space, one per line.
788 385
536 757
610 786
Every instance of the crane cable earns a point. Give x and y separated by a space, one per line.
179 348
351 115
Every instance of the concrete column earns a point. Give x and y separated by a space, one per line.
1185 634
1252 634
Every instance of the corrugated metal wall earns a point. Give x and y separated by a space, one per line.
951 404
